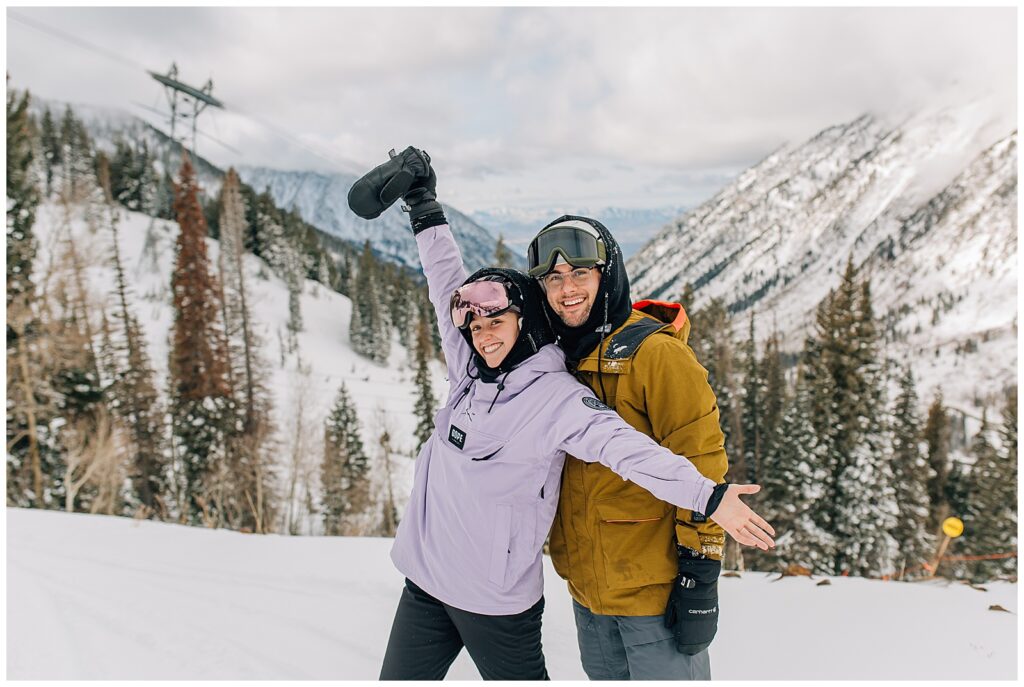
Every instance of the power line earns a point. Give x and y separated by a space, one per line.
127 62
75 40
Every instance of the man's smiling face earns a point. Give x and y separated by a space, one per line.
572 298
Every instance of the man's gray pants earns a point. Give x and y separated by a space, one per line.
640 647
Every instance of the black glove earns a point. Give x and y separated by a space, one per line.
693 603
407 175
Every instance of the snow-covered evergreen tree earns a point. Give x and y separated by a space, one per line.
793 481
502 255
367 332
937 441
990 517
426 404
201 406
711 341
752 413
867 511
132 392
251 481
912 474
344 470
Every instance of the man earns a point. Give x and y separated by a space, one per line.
642 574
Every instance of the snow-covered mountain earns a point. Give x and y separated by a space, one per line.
927 207
322 200
632 227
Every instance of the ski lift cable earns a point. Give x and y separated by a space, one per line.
199 131
127 62
80 42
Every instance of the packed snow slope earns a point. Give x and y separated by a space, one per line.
103 598
926 207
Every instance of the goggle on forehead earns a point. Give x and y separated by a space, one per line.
578 247
480 298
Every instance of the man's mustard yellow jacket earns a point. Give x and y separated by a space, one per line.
612 540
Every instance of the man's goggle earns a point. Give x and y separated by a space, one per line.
480 298
576 246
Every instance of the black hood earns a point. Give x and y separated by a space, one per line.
611 307
535 332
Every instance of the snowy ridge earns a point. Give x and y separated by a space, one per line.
322 200
928 207
224 605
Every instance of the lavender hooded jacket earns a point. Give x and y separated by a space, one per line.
486 482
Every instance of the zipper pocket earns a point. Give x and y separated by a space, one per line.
630 522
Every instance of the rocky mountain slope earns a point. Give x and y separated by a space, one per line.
928 207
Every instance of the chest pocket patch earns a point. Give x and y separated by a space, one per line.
457 437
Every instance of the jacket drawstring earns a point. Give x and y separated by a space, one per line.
501 387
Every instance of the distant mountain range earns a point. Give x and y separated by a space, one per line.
632 227
927 207
322 200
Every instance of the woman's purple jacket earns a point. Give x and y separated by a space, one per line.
486 482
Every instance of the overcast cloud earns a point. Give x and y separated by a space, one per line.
609 106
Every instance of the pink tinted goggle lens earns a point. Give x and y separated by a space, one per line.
481 298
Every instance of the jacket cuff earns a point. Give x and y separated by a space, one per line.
426 221
716 498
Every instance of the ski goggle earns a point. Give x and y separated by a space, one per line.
480 298
577 247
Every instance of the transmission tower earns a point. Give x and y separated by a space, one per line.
186 102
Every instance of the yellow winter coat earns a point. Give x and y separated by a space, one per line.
611 540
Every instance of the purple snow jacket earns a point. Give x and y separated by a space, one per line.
486 482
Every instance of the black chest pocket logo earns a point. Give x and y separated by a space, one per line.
457 437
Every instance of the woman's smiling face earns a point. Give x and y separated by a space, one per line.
494 337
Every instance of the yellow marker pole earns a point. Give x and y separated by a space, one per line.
952 528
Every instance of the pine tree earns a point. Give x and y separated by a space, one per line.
711 340
343 472
22 200
367 330
32 453
426 405
133 395
866 510
990 517
252 505
794 479
752 412
502 255
50 144
200 396
912 474
937 439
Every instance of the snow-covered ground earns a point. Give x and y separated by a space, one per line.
101 598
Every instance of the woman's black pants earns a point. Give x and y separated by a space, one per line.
427 635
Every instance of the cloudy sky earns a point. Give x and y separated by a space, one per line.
527 106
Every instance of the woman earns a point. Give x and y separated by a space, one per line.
486 482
